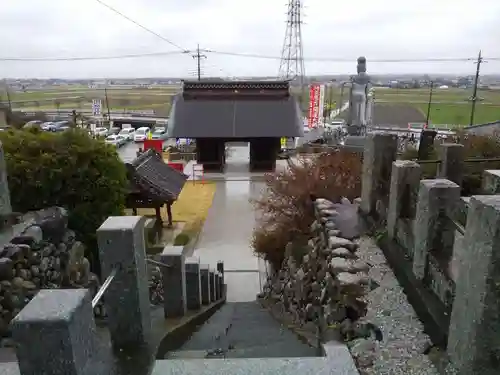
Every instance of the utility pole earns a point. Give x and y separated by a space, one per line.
341 98
107 105
330 100
198 56
429 104
9 101
479 61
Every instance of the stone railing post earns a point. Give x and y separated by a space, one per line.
174 281
380 151
212 285
452 162
491 182
405 178
55 333
122 245
474 340
433 230
193 283
217 285
205 284
220 268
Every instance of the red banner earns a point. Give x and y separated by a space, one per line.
156 144
310 117
317 100
314 99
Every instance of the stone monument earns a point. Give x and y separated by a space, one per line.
358 100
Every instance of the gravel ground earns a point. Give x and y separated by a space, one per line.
401 350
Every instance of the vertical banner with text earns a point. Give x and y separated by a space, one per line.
310 116
321 104
314 93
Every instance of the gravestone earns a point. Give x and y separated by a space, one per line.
426 145
474 340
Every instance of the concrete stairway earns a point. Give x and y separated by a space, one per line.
243 330
244 339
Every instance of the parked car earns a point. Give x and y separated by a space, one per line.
114 130
159 133
128 133
100 132
47 126
141 134
33 124
115 140
60 126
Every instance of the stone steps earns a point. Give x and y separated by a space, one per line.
243 330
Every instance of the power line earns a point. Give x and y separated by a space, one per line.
142 26
85 58
258 56
235 54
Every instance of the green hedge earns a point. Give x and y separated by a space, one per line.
67 169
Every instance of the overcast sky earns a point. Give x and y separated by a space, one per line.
343 29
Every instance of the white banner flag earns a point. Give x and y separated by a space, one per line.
321 105
96 107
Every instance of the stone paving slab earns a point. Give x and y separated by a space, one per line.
256 366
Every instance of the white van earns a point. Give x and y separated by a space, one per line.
127 133
141 134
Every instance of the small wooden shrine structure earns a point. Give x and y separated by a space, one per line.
153 183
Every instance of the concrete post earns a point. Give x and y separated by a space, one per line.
217 285
491 182
380 151
174 281
474 340
193 284
433 230
122 246
205 284
405 179
220 268
55 333
452 162
212 284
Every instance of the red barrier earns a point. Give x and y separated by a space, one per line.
155 144
177 166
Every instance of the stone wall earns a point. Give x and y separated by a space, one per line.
324 280
443 247
61 321
39 252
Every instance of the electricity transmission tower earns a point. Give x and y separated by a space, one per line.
292 54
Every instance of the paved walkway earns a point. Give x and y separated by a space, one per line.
227 232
